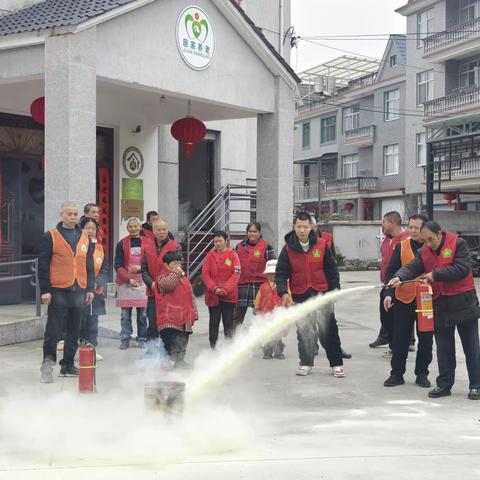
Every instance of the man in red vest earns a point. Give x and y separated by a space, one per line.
152 265
394 234
307 264
445 261
67 281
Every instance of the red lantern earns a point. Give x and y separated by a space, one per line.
187 131
450 197
37 110
348 207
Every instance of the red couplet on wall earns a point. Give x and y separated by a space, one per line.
104 205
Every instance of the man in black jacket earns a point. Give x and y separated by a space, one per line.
446 263
67 279
306 261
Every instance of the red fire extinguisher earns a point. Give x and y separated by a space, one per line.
87 361
424 308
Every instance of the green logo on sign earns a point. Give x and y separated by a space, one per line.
257 253
196 28
317 253
228 262
446 253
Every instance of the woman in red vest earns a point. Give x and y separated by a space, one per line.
131 291
253 252
89 325
445 261
220 275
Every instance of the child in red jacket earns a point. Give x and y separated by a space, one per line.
266 301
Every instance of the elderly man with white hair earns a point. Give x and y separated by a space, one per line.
67 280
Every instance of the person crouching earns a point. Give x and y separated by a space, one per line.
176 308
266 301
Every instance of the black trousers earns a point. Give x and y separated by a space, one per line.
387 321
175 342
222 312
445 340
239 315
274 347
404 321
152 330
66 306
89 328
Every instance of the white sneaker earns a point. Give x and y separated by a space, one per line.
98 357
303 370
60 345
338 372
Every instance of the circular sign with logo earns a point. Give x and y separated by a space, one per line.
195 38
133 162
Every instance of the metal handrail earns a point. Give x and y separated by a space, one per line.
33 280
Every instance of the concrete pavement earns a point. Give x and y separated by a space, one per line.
262 423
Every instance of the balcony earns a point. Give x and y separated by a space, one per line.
450 170
305 190
361 137
452 43
353 185
456 102
362 81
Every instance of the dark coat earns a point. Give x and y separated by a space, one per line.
453 309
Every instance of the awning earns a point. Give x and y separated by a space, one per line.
314 161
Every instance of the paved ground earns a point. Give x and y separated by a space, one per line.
262 423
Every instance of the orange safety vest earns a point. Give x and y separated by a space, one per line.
65 267
98 257
406 293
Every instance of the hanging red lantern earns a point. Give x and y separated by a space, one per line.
348 207
450 197
188 131
37 110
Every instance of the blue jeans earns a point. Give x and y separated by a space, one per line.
126 324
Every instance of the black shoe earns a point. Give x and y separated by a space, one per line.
438 392
124 345
46 372
379 342
68 371
423 381
474 394
267 356
279 356
393 381
346 355
182 365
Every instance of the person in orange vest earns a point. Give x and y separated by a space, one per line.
403 302
152 264
147 227
67 278
445 262
307 264
220 275
89 327
266 301
176 308
253 252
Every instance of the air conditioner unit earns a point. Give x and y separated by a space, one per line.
320 84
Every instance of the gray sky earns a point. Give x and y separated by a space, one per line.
342 17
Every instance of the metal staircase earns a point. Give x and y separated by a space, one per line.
232 208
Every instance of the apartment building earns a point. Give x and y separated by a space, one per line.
350 142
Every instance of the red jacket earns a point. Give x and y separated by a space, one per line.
253 261
446 257
386 250
307 270
267 298
221 270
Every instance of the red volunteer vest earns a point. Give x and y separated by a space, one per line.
269 298
98 257
445 258
175 308
328 237
307 270
148 233
389 251
252 261
155 263
126 245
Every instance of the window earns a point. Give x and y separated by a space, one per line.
421 155
306 175
390 159
393 60
305 135
391 104
424 87
469 74
350 166
351 118
424 25
328 129
469 10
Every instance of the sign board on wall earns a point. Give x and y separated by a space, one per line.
132 198
195 38
133 162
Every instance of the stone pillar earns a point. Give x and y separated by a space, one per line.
70 121
275 167
360 209
168 177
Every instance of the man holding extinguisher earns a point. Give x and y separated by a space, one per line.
403 302
446 263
